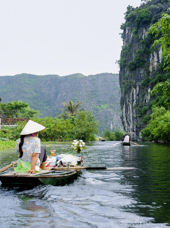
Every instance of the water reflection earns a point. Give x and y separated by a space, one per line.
131 198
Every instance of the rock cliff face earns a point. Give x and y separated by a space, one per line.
140 65
98 93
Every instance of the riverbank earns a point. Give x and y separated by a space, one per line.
12 144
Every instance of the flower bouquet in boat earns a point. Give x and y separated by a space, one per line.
78 145
73 160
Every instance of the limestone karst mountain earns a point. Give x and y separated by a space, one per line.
98 93
141 66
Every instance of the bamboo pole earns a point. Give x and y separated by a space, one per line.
8 166
117 143
93 168
136 144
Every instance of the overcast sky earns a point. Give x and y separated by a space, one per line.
61 36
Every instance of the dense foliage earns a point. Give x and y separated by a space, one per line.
17 109
142 65
70 109
164 89
159 125
131 58
113 136
137 16
7 144
84 127
163 27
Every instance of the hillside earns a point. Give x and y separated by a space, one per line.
98 93
141 65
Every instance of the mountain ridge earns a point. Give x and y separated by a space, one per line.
98 93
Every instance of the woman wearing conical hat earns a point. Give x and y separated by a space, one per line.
29 148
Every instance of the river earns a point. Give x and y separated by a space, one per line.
99 199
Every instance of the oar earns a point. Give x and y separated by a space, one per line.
93 168
136 144
8 166
116 143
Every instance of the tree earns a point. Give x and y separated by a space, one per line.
56 129
17 109
85 126
161 29
11 109
118 135
113 136
28 112
108 135
128 11
159 125
143 16
71 107
64 115
163 87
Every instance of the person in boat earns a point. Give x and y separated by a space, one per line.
31 154
43 158
125 138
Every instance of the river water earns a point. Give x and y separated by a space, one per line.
101 199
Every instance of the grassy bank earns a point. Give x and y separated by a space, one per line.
12 144
7 144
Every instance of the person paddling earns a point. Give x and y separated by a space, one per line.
29 148
125 138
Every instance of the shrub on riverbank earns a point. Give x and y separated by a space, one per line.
83 126
159 125
113 136
7 144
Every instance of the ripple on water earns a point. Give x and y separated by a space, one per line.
101 199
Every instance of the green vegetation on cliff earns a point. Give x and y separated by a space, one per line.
141 64
159 124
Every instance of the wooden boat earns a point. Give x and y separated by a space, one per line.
102 139
126 143
44 177
56 176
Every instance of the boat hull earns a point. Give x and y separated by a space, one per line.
126 143
29 181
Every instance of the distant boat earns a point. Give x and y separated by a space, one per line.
102 139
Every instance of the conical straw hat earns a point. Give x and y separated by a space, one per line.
31 127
